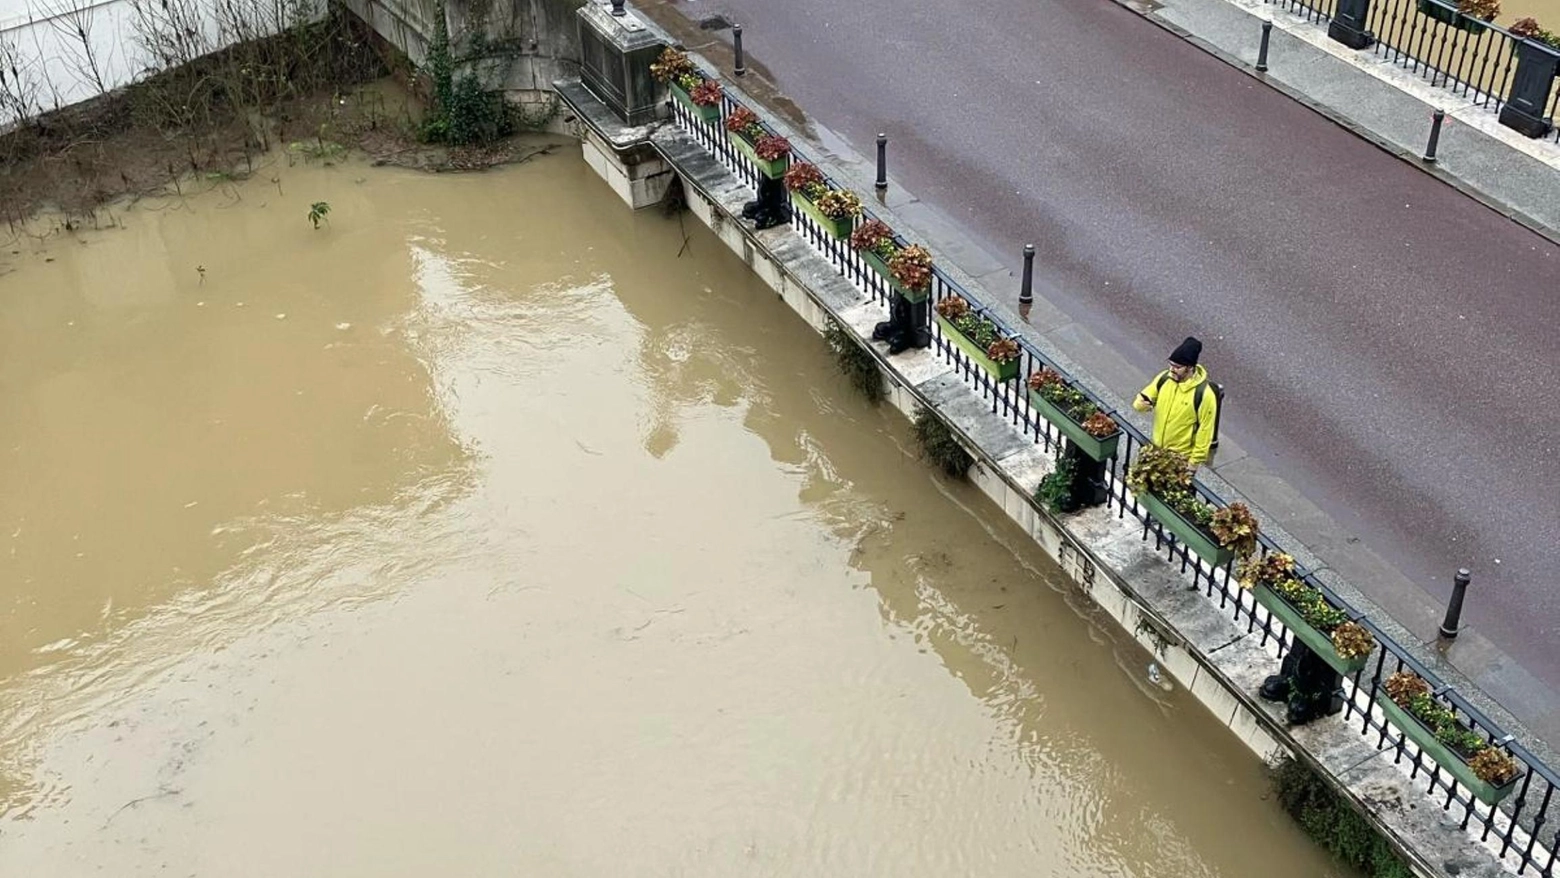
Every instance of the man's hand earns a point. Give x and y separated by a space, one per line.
1143 403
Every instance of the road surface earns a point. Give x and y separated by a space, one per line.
1391 343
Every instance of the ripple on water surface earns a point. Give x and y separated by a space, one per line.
491 536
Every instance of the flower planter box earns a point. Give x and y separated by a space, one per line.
1445 756
881 267
1088 443
839 228
1000 371
1449 15
1194 537
773 170
705 114
1319 642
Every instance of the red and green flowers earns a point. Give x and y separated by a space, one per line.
835 210
769 151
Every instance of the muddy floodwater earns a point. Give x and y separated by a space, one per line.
492 529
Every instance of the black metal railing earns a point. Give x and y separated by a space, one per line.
1314 11
1524 828
1468 57
1554 111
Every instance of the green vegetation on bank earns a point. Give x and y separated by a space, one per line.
939 445
1333 823
855 362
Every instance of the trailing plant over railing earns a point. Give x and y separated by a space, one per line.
981 330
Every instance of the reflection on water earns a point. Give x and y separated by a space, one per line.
487 536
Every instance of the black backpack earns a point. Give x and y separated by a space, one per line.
1197 398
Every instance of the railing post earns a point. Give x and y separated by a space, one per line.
1435 134
1530 89
736 40
882 164
1348 24
1454 607
617 8
1262 50
1026 290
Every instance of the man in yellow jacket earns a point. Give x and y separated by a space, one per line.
1186 408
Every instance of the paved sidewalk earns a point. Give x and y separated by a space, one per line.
1380 101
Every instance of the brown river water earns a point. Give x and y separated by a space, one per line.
480 533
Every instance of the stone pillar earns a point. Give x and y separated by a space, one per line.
1348 24
1530 89
615 57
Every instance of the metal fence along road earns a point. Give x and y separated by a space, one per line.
1467 57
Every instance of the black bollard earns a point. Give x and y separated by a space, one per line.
1435 134
882 171
1262 51
1454 606
1026 290
736 41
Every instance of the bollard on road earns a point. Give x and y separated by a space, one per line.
1435 134
881 182
1454 606
1026 291
736 40
1262 51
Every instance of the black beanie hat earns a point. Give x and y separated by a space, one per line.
1186 354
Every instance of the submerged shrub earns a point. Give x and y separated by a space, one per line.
939 445
855 362
1332 823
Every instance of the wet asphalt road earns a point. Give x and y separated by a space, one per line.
1392 342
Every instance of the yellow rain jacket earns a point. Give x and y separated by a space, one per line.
1179 424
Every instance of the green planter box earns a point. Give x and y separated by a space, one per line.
773 170
1198 541
1000 371
881 267
1449 15
1098 449
708 114
1319 642
839 228
1445 756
